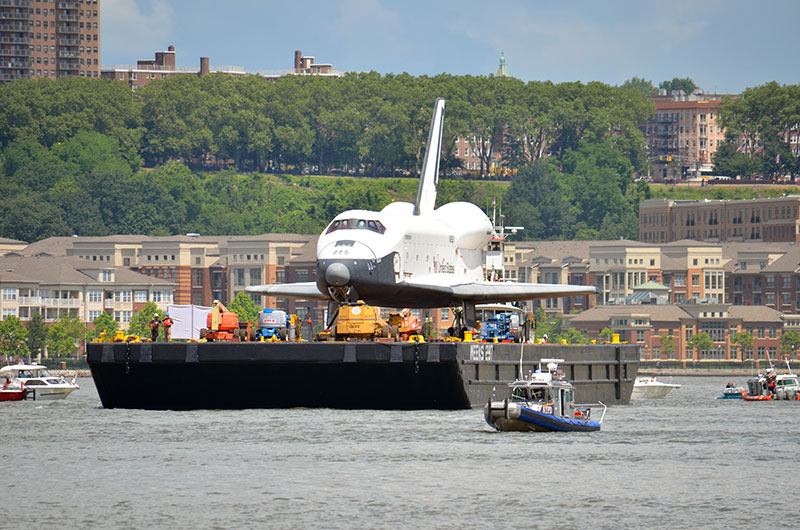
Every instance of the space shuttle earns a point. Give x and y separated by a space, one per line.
413 255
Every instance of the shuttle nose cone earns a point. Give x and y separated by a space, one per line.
337 274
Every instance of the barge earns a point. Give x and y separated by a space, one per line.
344 375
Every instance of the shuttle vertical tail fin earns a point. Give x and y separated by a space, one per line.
429 180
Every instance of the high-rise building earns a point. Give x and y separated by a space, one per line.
683 134
48 38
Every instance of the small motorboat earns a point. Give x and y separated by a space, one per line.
544 402
651 388
38 382
731 392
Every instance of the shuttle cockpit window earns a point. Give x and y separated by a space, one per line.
357 224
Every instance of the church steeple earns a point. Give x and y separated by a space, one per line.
502 71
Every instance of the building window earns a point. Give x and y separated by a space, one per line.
9 313
95 296
197 277
93 315
238 276
445 314
105 276
9 293
140 296
122 296
255 276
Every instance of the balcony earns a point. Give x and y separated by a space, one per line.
29 300
14 40
68 66
68 55
108 303
15 3
61 302
68 18
14 52
15 64
13 27
68 5
68 29
12 77
15 15
68 42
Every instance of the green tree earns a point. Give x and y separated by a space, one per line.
700 341
104 322
606 334
140 321
573 336
13 338
37 334
63 337
668 344
744 342
641 85
678 83
790 342
244 306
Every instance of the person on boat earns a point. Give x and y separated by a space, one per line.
167 323
729 385
5 385
154 325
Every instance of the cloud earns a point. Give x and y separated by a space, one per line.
134 29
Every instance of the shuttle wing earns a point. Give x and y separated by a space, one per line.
305 290
487 292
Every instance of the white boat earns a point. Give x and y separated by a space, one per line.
38 381
650 388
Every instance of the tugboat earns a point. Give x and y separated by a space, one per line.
544 402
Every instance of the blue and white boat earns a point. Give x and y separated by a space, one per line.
544 402
731 392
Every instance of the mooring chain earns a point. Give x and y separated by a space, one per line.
416 355
127 358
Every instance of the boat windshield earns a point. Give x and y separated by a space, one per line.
356 224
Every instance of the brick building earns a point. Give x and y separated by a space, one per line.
683 134
645 325
46 38
774 219
164 65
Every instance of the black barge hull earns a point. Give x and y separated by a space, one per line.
362 375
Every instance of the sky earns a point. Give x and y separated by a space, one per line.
725 46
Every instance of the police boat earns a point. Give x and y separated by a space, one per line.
544 402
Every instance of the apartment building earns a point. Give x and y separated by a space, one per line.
769 220
48 38
59 285
164 65
261 259
683 134
649 326
202 268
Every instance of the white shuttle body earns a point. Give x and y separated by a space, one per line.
412 255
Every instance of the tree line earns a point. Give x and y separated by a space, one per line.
760 128
91 157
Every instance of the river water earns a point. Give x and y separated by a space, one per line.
684 461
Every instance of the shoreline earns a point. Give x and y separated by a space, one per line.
698 372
